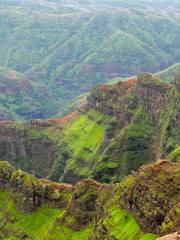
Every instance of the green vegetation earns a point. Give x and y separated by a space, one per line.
137 141
65 50
122 225
68 234
84 133
83 137
122 126
34 209
23 98
169 73
132 202
38 225
49 55
175 155
131 148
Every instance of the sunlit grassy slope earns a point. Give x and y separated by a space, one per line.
38 225
122 225
43 224
84 136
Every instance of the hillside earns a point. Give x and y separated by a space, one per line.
42 210
89 120
67 48
119 128
21 98
169 73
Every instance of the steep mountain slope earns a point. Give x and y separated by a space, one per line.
71 47
42 210
121 127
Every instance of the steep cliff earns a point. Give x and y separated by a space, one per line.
151 196
121 127
26 148
144 124
141 207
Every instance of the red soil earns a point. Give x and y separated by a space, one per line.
104 87
123 84
65 118
128 83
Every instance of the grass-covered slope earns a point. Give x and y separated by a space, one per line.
67 49
35 209
84 137
30 208
36 224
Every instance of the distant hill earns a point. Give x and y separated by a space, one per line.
21 98
169 73
69 46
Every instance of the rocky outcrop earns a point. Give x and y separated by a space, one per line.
153 198
30 192
147 91
145 201
174 236
151 195
152 94
109 99
82 207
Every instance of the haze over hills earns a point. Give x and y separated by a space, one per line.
67 47
89 144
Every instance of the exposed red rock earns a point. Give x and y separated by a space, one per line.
66 118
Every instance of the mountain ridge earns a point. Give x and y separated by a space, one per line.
64 50
102 139
73 208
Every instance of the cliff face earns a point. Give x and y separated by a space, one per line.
125 96
150 195
123 126
32 152
144 126
143 206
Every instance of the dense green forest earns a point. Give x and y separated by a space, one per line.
63 48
